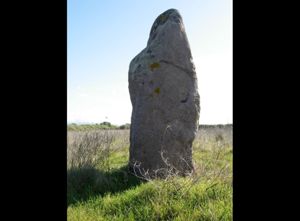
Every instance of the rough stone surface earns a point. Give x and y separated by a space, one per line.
164 95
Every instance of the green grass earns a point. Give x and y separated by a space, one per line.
111 193
149 201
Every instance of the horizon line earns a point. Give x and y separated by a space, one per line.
91 123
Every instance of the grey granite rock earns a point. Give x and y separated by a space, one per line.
164 95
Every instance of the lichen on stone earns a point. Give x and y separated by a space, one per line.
154 65
157 90
163 18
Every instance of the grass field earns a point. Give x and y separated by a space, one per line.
100 188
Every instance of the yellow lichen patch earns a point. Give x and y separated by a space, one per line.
157 90
163 18
154 65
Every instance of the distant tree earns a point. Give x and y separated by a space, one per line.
106 123
124 126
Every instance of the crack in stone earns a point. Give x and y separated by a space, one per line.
179 67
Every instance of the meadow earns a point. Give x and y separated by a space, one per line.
99 186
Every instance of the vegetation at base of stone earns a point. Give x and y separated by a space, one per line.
100 187
101 126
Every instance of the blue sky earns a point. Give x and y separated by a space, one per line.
104 35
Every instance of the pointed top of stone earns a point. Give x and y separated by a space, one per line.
168 40
169 15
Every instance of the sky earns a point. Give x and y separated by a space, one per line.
103 36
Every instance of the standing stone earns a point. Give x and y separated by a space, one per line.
164 95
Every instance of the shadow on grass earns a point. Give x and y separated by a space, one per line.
85 183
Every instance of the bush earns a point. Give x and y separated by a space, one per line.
124 126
